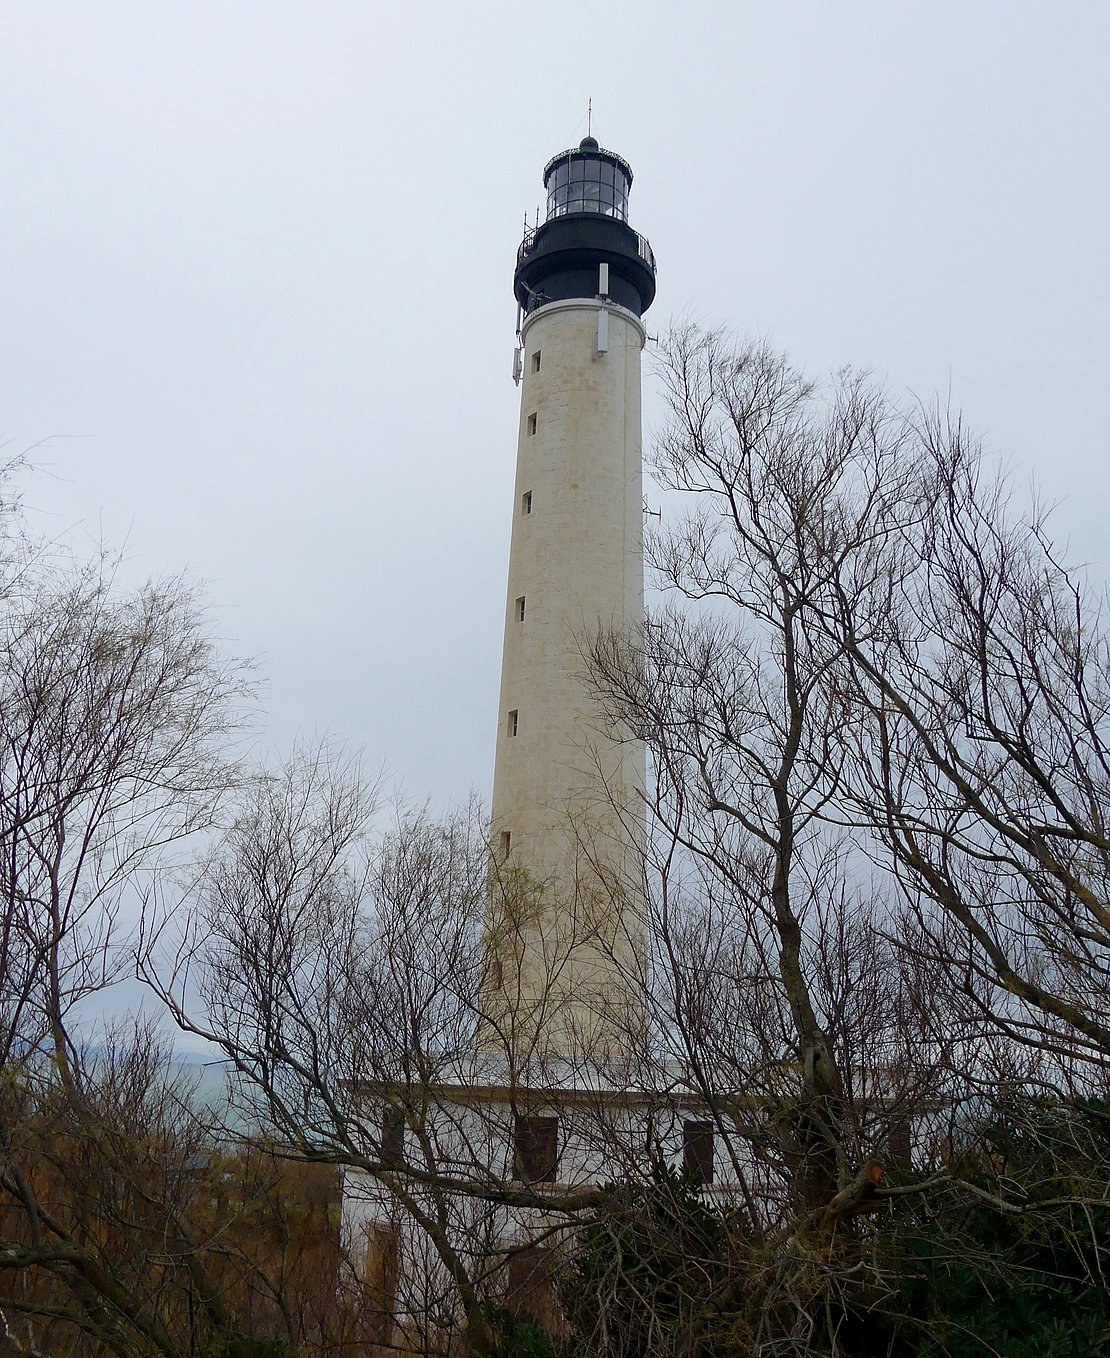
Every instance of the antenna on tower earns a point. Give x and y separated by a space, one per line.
589 117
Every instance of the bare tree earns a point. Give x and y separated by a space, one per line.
339 966
114 716
115 720
985 773
741 703
875 712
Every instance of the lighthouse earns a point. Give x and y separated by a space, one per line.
546 1093
565 918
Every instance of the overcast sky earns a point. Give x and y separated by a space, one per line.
257 261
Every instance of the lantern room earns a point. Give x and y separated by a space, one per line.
587 179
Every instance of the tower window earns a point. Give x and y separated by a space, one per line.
536 361
532 423
513 721
520 609
900 1145
531 1279
697 1151
536 1149
383 1248
504 843
393 1137
526 502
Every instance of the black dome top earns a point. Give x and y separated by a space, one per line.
588 144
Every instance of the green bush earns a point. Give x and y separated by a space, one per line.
1011 1260
649 1274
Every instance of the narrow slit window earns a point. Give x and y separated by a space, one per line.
383 1248
531 1279
900 1144
520 609
536 1149
393 1137
526 502
514 721
697 1151
532 423
536 361
505 843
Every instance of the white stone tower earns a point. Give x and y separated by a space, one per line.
565 924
